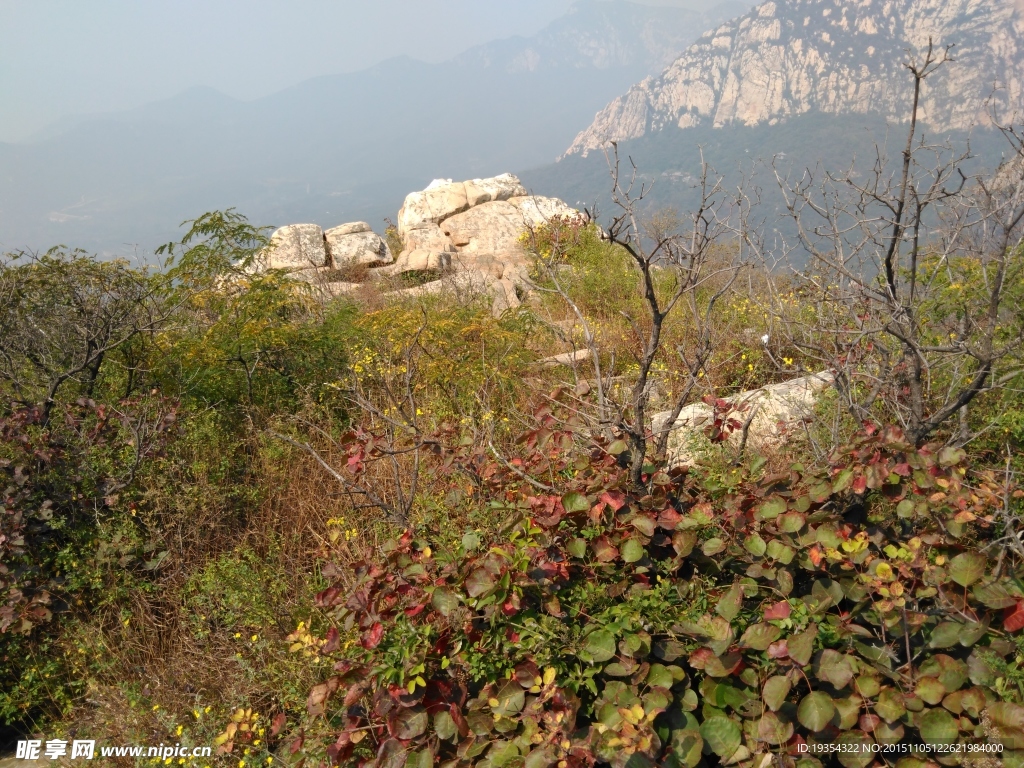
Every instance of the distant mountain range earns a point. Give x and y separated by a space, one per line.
336 148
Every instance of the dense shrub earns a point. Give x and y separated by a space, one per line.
701 620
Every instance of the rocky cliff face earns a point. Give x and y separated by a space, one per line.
791 57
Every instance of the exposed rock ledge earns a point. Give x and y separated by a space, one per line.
469 230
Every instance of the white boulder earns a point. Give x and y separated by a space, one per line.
297 247
536 211
356 244
433 205
775 412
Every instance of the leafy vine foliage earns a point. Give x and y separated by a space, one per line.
733 619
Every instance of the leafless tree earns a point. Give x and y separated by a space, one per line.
912 294
682 277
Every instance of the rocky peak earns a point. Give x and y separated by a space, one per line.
467 230
790 57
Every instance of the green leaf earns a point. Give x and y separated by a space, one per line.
502 753
843 482
539 758
995 595
815 711
950 456
835 668
952 673
801 646
858 753
791 522
937 726
930 690
511 699
688 701
444 601
686 747
867 686
471 541
771 509
575 502
577 548
729 604
945 635
659 675
617 447
773 730
971 633
890 705
780 552
713 546
444 726
967 567
775 691
722 734
848 711
632 550
599 646
760 636
421 759
755 545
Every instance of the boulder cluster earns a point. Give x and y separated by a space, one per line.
465 233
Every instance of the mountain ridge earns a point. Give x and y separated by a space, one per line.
791 57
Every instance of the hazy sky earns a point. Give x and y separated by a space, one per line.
64 57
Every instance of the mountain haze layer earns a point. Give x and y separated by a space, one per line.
336 148
787 58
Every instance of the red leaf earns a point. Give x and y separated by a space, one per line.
416 610
860 484
868 723
815 554
1014 618
372 637
700 657
278 723
297 744
511 606
669 519
614 499
604 550
903 470
331 642
355 693
778 650
780 610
